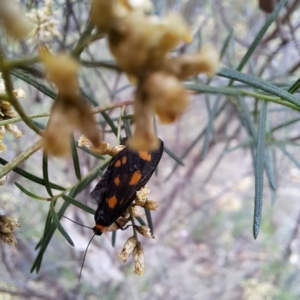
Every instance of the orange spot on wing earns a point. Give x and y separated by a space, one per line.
124 160
135 178
117 181
112 201
118 163
145 155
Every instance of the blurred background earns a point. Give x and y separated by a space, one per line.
204 246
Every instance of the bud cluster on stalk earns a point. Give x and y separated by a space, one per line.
70 111
132 245
141 44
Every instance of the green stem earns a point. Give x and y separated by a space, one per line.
20 158
79 182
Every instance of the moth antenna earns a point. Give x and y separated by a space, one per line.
85 256
74 221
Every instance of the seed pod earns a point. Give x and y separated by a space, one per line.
145 231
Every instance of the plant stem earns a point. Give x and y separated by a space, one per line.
20 158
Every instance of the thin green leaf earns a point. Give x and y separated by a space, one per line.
31 177
209 127
47 237
194 143
127 126
29 193
113 238
75 159
149 220
294 87
219 158
58 224
174 156
269 168
260 84
247 117
283 125
245 143
141 221
46 174
33 82
226 43
260 35
79 204
289 155
46 228
259 168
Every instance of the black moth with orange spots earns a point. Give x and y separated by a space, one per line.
126 174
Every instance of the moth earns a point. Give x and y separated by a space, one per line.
126 174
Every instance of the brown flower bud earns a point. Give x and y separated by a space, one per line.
168 96
139 257
14 130
62 70
141 196
152 37
184 66
145 231
127 249
151 205
8 110
13 20
8 238
8 224
137 212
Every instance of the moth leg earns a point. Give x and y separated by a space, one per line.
120 227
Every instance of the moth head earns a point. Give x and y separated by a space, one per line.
97 231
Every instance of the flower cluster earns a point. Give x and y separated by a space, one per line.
13 19
141 44
45 23
7 112
7 225
70 111
132 245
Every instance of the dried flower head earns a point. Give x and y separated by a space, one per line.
70 111
45 23
137 212
3 180
186 65
8 238
2 134
67 115
8 224
142 195
139 258
145 231
62 70
103 149
122 221
13 129
13 19
151 205
168 96
127 249
153 37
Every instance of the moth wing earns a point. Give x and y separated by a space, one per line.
128 178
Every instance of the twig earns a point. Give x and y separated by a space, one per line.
20 158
